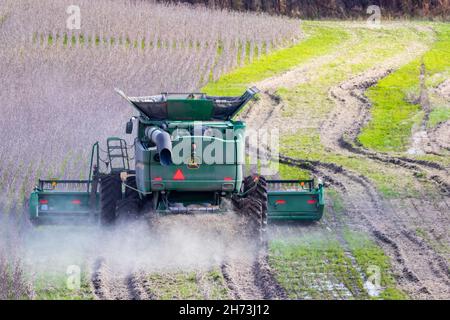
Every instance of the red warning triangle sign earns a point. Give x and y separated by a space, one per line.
178 175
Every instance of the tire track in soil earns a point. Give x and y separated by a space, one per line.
269 108
250 278
138 286
340 132
420 271
352 112
110 285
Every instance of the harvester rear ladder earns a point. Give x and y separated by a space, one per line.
117 149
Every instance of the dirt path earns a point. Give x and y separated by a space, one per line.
421 271
251 278
439 136
166 270
108 284
270 106
111 285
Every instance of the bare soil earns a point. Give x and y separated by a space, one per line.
440 135
186 244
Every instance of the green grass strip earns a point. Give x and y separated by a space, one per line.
371 258
53 286
392 115
315 267
320 40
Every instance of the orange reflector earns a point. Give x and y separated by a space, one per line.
228 179
43 201
157 179
312 201
178 175
76 201
280 201
302 184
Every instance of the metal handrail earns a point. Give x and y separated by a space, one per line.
94 151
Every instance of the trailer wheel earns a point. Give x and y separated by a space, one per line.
110 193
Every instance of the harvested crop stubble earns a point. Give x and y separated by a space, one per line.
14 283
57 85
145 19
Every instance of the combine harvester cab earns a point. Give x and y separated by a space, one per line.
163 182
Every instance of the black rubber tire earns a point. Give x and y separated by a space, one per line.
110 193
252 208
128 208
254 205
130 193
258 192
131 204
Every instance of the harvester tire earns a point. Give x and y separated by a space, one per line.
110 193
256 187
254 204
130 205
252 208
128 208
131 193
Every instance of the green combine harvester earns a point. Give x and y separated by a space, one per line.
171 175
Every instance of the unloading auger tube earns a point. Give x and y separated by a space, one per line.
163 144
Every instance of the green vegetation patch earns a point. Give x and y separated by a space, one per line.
438 115
318 266
315 267
371 260
308 147
58 286
188 285
393 113
312 101
288 172
320 40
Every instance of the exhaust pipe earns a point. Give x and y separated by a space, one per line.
163 144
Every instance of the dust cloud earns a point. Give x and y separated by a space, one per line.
178 242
